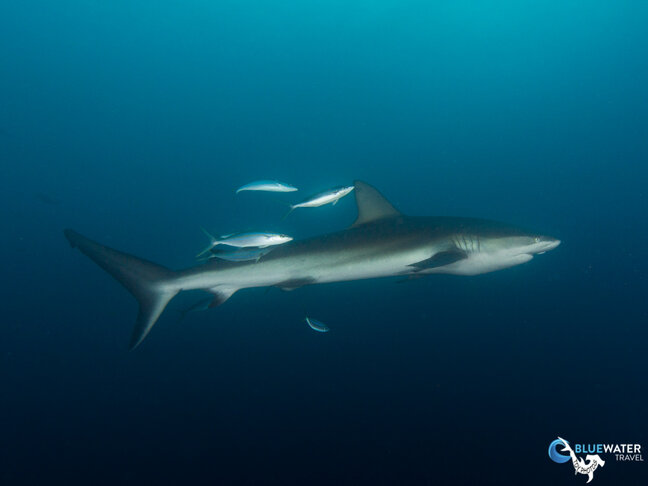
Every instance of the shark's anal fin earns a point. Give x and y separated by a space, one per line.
372 206
221 294
439 259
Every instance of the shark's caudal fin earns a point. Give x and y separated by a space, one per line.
372 206
151 284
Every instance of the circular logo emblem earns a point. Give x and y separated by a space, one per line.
554 454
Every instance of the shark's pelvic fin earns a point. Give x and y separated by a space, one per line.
151 284
221 294
439 259
372 206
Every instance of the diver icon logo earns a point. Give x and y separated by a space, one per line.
587 466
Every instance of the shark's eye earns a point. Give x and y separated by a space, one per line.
536 239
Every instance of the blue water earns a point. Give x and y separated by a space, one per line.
134 122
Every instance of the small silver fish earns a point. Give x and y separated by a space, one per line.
245 240
316 325
269 186
240 255
326 197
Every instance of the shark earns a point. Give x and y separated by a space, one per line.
382 242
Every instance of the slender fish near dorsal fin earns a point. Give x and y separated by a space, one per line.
326 197
268 186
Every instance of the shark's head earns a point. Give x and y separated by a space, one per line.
493 246
494 237
519 247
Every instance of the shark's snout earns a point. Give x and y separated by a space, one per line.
550 242
546 243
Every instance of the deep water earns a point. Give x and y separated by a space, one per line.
134 122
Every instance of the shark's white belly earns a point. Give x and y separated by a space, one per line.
478 263
363 269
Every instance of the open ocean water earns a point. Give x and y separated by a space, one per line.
133 122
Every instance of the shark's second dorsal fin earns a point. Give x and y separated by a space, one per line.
372 205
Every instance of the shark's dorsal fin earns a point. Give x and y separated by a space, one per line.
372 205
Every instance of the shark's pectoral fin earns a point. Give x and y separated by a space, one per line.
372 206
221 294
295 283
439 259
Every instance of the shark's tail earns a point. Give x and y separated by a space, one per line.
151 284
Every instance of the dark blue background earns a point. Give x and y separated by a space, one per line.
133 122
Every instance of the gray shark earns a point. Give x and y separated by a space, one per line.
381 243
